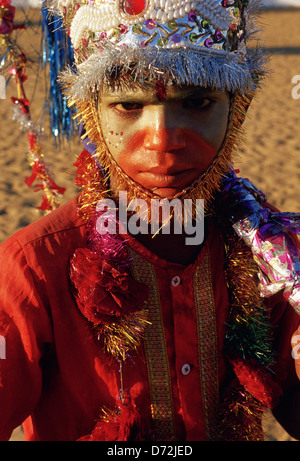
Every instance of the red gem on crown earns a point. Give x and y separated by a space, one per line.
134 7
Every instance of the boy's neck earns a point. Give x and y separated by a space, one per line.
170 247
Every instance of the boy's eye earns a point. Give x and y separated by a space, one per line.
128 106
197 103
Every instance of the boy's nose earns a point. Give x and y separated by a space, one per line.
164 134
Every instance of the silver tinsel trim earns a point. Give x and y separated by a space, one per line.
215 69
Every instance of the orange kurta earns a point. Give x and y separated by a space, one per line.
56 375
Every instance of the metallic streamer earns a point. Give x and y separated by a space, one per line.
268 234
57 52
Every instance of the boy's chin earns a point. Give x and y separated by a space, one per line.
166 192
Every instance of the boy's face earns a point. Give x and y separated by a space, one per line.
164 145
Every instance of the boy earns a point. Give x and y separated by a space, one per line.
114 336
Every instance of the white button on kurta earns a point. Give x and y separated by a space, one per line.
175 281
185 369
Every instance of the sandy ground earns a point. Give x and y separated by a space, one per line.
270 157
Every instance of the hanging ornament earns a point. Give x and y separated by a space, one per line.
15 58
57 54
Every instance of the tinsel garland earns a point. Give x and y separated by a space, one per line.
241 211
262 259
248 336
248 330
122 338
240 416
92 183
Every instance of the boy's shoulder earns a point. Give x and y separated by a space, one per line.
64 223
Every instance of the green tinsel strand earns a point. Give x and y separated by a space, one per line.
250 337
249 329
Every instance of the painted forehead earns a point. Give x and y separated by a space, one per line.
147 89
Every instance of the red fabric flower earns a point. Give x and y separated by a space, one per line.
103 292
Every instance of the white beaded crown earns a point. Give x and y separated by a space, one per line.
196 42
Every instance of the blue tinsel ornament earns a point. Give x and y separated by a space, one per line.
57 53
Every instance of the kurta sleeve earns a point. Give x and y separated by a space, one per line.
286 322
25 330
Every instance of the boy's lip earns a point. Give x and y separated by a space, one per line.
170 170
167 178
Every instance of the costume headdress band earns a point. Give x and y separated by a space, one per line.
184 41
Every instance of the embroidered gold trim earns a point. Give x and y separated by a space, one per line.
207 345
156 354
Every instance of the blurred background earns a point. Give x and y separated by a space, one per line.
270 156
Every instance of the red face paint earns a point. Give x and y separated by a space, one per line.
164 146
160 91
166 160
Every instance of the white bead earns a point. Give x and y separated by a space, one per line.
159 15
164 18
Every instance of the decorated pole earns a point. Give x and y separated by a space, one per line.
14 58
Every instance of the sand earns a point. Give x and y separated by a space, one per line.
270 156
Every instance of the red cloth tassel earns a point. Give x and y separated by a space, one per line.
23 102
38 169
257 382
122 425
45 205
